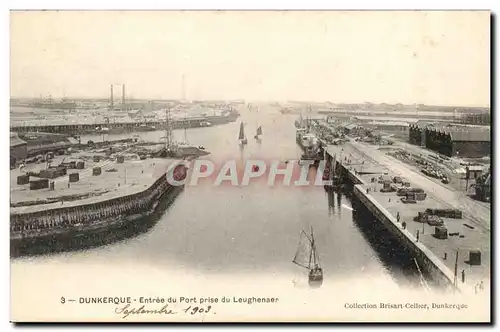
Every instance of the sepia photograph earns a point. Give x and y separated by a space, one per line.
250 166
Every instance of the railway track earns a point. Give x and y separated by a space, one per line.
444 195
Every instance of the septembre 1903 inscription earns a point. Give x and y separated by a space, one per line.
126 306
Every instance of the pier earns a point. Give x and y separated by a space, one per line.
451 259
73 124
121 126
125 197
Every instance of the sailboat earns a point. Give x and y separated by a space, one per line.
300 122
259 132
307 257
242 137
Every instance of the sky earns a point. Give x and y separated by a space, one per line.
439 58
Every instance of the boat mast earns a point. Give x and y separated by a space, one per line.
111 104
333 167
310 258
168 130
313 250
241 135
185 128
183 88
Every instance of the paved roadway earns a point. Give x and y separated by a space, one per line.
480 214
364 158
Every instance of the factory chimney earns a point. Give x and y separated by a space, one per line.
111 106
123 96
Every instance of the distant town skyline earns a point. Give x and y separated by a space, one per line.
118 101
432 58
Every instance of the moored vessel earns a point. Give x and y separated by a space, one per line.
241 136
258 133
307 257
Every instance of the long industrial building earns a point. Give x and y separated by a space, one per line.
450 140
18 149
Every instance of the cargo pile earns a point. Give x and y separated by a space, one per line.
52 173
445 213
96 171
427 168
73 164
403 156
432 220
404 191
74 177
433 217
441 232
387 187
432 172
23 179
39 184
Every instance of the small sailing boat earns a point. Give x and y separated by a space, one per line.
259 132
241 136
299 123
307 257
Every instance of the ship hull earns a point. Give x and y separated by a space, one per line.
315 278
315 283
68 106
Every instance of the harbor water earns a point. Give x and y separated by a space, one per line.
239 240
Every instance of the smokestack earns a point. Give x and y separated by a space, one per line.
123 94
111 98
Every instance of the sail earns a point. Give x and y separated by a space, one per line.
259 131
242 132
303 256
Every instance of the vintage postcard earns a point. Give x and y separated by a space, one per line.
250 166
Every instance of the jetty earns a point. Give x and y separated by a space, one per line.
90 198
447 232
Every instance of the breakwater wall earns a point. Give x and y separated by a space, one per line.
124 126
432 265
91 128
36 149
364 202
90 224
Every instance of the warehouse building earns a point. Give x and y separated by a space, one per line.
480 119
469 142
18 149
416 132
462 141
354 129
389 126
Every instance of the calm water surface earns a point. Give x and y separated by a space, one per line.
253 229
